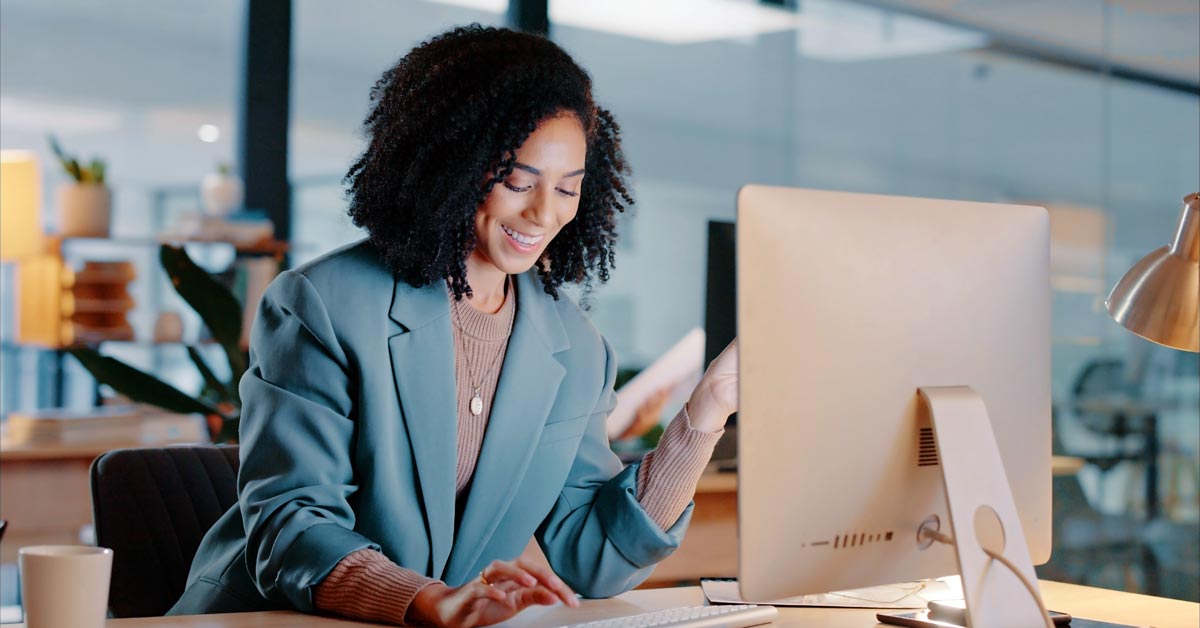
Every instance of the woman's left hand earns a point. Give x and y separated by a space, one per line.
716 396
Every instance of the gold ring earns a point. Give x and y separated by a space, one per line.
483 579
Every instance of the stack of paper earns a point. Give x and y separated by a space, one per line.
903 595
66 427
124 425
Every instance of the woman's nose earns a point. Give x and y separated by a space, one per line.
541 209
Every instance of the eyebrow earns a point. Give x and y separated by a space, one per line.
534 171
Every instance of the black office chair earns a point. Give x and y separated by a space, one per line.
152 507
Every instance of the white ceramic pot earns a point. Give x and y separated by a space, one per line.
84 210
222 193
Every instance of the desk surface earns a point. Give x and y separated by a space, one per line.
1086 602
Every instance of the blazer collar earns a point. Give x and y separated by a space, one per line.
414 308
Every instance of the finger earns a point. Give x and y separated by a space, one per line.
508 587
490 593
531 596
500 571
551 581
473 601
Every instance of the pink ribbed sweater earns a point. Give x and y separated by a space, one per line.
366 585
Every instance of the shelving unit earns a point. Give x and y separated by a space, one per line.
45 308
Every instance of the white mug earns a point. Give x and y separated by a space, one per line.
65 585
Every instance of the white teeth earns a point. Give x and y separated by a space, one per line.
522 238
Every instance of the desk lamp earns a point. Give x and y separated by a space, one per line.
1158 298
20 204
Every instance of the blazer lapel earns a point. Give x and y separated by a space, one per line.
423 367
526 391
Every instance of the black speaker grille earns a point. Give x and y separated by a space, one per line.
927 455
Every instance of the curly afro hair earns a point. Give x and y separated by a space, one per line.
443 130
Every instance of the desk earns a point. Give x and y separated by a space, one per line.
1082 601
47 495
47 491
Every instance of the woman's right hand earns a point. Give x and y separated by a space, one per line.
512 586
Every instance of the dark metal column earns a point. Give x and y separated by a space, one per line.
263 110
531 16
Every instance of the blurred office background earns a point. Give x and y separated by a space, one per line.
1088 107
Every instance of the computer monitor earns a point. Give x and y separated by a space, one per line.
720 303
848 305
720 319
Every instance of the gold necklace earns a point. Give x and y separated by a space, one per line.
477 398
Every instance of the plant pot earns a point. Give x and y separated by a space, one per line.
84 210
222 193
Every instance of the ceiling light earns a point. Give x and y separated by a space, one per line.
208 133
663 21
829 30
845 32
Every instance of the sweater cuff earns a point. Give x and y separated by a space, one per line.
365 585
668 475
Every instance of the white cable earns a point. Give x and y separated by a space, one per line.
1025 581
948 540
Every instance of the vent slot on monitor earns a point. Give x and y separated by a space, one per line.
843 541
927 455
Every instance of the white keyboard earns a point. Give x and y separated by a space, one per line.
726 616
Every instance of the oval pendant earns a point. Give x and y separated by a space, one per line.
476 405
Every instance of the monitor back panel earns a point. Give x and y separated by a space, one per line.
847 304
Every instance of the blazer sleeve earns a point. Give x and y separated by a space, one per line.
295 431
597 537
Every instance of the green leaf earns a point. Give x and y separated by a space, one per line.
650 439
139 385
227 392
68 163
215 304
55 147
98 170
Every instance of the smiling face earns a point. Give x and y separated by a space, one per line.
521 215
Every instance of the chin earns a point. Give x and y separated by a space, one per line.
514 265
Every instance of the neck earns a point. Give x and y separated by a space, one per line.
487 284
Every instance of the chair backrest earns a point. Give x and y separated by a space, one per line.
152 507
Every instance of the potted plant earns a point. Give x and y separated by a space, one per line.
85 202
221 191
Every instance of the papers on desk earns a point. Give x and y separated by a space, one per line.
118 424
903 595
679 369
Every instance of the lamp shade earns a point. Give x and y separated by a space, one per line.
20 205
1158 299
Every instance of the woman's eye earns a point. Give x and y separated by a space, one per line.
567 192
515 188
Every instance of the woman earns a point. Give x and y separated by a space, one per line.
422 403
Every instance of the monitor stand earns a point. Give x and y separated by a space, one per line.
982 513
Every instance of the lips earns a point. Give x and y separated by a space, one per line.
523 242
